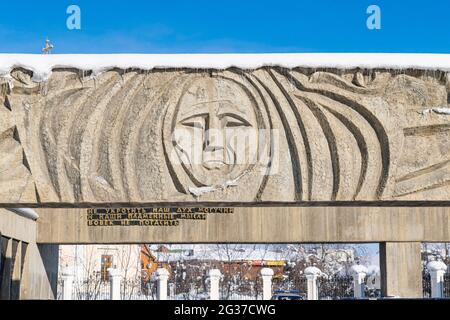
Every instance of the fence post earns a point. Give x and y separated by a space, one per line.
115 279
171 290
359 273
437 270
214 279
312 274
267 275
162 276
67 283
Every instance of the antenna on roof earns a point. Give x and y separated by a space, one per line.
48 47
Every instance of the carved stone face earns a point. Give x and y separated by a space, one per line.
215 133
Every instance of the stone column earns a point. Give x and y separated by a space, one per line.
214 279
6 276
312 273
359 273
67 285
162 275
40 271
49 253
115 279
267 275
401 269
437 270
1 251
16 270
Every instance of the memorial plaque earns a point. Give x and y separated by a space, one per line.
158 217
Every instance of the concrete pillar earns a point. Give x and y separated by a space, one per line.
50 257
30 271
67 278
16 276
162 275
1 255
40 272
312 273
6 276
437 270
115 279
401 269
359 273
214 279
267 275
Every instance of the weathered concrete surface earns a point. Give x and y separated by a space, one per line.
30 270
323 135
401 269
272 225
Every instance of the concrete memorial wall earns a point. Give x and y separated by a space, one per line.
270 134
296 148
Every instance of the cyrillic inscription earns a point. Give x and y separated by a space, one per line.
158 217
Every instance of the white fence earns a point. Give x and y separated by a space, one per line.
312 284
436 280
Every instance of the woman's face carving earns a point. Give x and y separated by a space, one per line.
215 132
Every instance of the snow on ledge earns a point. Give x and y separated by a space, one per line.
312 271
436 266
359 268
42 65
25 212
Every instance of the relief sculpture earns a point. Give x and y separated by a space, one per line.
271 134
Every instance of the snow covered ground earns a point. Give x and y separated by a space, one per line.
42 65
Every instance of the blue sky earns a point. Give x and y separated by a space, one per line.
225 26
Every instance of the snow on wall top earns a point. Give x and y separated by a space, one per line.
42 65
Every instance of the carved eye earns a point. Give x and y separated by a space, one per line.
231 124
194 122
235 121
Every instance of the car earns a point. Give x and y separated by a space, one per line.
288 295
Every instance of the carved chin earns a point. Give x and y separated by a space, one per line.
211 177
210 174
213 164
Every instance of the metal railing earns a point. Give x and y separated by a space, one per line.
426 284
247 290
447 285
335 287
197 288
93 288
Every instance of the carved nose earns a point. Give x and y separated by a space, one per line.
213 140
